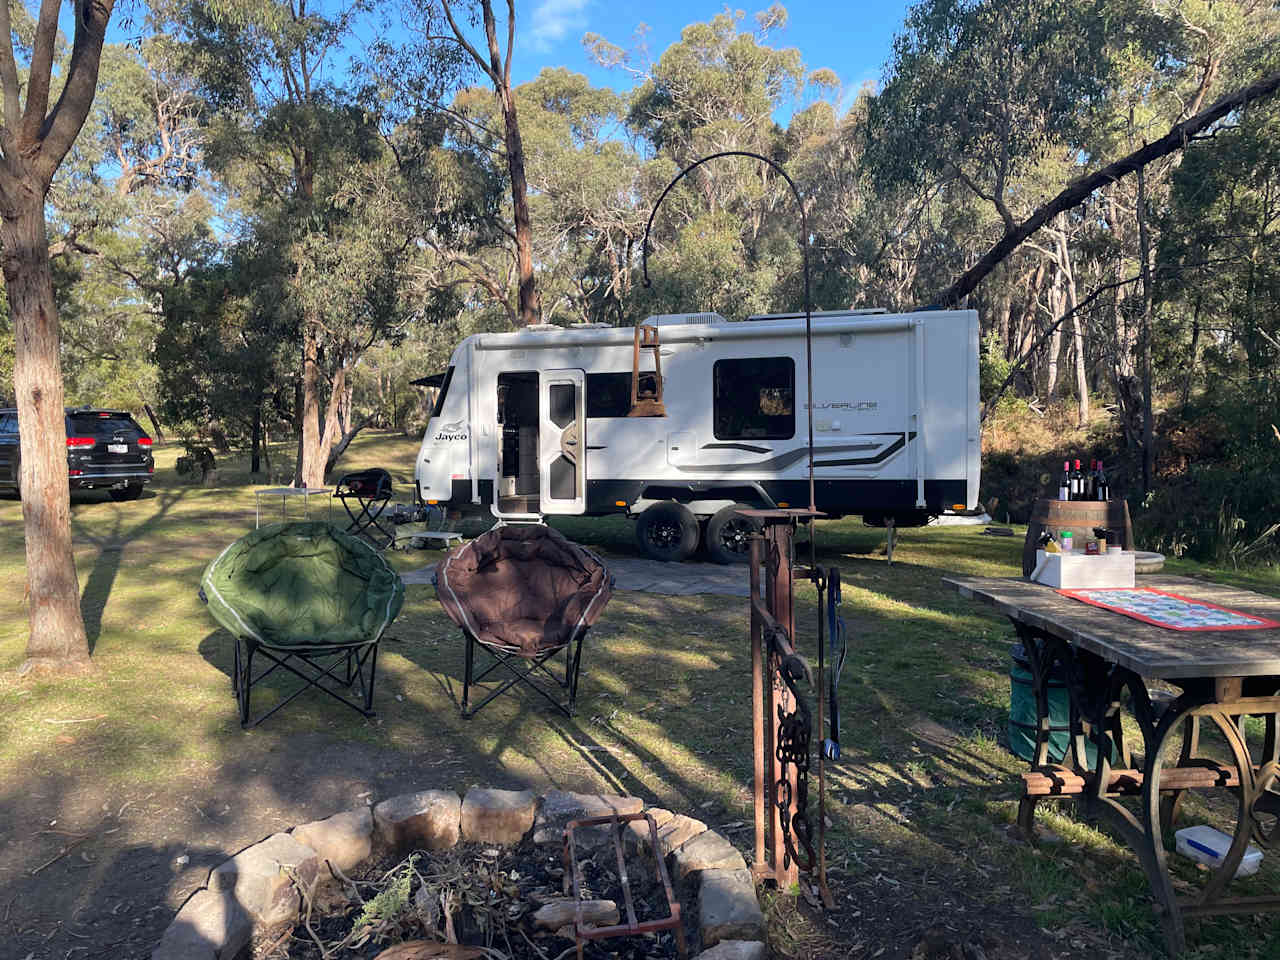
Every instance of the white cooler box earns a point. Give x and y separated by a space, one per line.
1076 571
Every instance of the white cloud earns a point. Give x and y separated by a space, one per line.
553 19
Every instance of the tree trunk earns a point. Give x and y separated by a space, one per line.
1077 333
255 456
530 304
155 424
297 416
312 461
1144 335
1055 339
57 639
328 429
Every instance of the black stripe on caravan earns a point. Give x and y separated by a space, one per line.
737 446
782 461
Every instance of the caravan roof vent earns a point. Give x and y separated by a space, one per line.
544 327
678 319
586 325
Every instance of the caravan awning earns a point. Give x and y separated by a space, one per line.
435 380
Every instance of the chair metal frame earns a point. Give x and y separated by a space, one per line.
359 663
372 507
524 670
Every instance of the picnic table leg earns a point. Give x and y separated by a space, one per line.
1152 854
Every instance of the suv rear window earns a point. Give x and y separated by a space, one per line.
103 425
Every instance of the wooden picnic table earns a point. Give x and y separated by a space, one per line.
1106 660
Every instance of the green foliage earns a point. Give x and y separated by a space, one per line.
993 365
391 900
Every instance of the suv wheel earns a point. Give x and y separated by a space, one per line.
131 492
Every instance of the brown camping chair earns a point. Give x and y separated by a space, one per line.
524 593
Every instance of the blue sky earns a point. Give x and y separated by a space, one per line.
853 39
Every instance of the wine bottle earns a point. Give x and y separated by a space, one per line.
1090 481
1102 489
1064 485
1077 482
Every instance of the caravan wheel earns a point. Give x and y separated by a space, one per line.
729 535
667 531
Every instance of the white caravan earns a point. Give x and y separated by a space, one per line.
546 421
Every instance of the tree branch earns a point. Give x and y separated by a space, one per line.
63 125
462 41
40 75
9 81
1078 190
511 42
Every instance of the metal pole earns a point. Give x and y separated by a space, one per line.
804 252
760 758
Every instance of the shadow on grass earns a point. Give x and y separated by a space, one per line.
111 545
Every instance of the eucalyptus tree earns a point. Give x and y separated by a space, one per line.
726 238
289 137
36 133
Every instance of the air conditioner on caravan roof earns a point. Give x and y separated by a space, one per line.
681 319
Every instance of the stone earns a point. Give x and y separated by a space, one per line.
706 851
676 831
560 913
735 950
637 835
260 878
559 807
210 926
345 839
429 820
497 816
728 908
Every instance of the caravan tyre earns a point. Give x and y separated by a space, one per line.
667 531
729 535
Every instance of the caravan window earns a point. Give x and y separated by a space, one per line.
444 391
755 398
609 394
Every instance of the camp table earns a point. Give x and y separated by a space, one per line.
1223 675
285 494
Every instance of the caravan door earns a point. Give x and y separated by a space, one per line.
562 442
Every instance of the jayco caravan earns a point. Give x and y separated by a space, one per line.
678 421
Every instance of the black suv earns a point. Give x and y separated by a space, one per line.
105 449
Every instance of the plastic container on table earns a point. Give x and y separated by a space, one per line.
1208 846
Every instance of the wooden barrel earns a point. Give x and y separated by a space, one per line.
1080 517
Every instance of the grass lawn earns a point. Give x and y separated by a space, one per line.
143 763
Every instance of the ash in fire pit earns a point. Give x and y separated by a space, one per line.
506 903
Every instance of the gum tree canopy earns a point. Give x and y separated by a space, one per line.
34 139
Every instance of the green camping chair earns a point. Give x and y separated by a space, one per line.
309 598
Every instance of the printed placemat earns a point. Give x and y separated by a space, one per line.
1169 610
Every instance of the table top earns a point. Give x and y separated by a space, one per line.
1145 648
290 491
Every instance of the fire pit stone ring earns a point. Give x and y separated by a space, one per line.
254 893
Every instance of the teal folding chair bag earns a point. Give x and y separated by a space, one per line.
308 598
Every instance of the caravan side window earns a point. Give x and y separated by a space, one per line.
609 394
755 398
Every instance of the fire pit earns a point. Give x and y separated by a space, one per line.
490 876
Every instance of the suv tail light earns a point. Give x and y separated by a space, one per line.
81 441
144 441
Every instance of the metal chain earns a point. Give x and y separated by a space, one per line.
795 730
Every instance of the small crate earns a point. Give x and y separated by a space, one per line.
1209 846
1074 571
